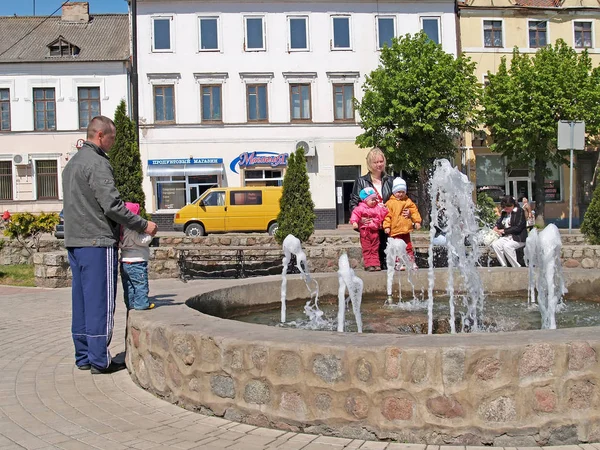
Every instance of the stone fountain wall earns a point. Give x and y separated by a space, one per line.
528 388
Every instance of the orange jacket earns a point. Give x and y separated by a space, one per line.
396 221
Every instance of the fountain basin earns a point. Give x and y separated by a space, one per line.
520 388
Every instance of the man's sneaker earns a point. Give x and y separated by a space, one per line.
84 367
112 368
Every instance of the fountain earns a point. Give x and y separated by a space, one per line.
348 280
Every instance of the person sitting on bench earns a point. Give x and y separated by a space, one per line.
512 229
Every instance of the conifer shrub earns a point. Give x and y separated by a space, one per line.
126 160
591 220
297 209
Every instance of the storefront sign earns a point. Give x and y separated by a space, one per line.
249 159
168 162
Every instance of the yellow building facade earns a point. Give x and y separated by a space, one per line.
489 30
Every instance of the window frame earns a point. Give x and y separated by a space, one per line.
264 32
592 37
537 33
332 46
439 26
256 85
10 165
162 86
307 32
79 88
6 102
171 48
493 34
199 19
383 16
212 86
35 176
344 119
310 117
35 101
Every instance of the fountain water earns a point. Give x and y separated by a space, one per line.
293 246
453 211
396 255
347 279
542 254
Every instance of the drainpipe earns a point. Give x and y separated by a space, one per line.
134 72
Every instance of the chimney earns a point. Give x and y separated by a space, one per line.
76 12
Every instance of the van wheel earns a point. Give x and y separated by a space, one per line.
194 230
273 229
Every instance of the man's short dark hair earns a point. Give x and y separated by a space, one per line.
507 201
99 123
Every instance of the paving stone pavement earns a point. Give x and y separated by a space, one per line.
47 403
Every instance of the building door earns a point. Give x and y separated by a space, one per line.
198 184
344 183
518 187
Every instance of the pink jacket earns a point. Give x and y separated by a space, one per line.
377 213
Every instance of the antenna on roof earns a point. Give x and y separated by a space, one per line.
34 7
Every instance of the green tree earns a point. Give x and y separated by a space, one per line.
523 104
415 104
591 220
27 228
126 160
297 209
486 210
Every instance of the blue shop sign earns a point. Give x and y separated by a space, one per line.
168 162
249 159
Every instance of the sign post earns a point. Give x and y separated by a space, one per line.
571 136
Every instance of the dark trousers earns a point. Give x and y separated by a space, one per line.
93 292
382 246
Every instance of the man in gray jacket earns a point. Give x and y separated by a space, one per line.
93 213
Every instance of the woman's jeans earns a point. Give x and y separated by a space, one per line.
135 284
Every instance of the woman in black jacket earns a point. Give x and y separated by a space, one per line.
512 229
382 183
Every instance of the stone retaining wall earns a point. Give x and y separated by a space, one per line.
525 389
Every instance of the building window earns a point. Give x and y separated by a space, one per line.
552 184
44 109
492 33
257 102
4 110
209 33
343 102
259 177
386 31
300 102
211 103
298 33
46 179
490 171
341 33
255 33
431 27
538 33
89 105
583 34
6 192
161 34
60 47
170 192
164 104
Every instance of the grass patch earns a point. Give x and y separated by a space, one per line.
17 275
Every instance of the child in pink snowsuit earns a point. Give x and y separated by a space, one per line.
367 218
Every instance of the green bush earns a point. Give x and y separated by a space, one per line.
27 229
591 220
297 209
486 210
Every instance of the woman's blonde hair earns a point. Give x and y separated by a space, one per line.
374 153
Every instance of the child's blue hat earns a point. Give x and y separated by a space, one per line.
367 193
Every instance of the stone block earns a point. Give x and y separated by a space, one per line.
258 356
501 409
581 356
364 370
419 370
544 399
38 258
222 386
323 402
453 365
257 392
184 349
581 395
288 365
392 363
56 272
135 336
55 259
571 264
293 402
537 359
329 368
487 368
445 407
577 253
588 263
395 408
357 405
40 271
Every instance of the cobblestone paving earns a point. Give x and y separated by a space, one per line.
46 403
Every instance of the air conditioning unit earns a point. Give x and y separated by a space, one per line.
308 147
21 159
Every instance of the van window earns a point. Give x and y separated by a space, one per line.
246 198
214 199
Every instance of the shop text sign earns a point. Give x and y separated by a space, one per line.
249 159
168 162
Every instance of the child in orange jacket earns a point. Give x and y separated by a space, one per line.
403 213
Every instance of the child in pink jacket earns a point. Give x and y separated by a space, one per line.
367 218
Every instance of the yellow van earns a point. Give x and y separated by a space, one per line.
220 210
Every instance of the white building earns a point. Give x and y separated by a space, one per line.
56 74
228 90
